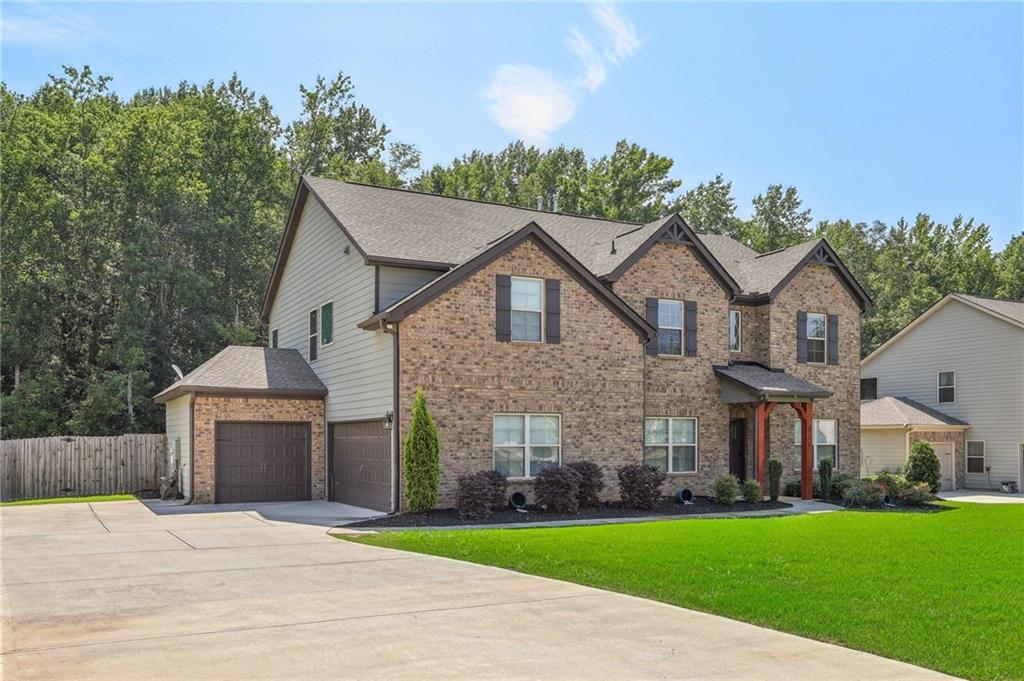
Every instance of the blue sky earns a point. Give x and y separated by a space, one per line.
873 111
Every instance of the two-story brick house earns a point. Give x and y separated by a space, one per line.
539 338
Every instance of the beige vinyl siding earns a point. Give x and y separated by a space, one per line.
357 366
883 449
987 355
398 282
179 430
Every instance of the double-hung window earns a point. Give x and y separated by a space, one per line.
671 444
313 334
526 444
826 440
947 386
735 330
817 337
527 309
670 327
975 456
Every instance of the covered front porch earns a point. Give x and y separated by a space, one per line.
763 390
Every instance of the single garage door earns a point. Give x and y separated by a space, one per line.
262 462
360 456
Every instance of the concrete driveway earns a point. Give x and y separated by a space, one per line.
115 591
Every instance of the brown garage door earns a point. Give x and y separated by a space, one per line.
262 462
360 455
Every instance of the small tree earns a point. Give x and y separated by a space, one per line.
923 465
825 478
774 478
421 455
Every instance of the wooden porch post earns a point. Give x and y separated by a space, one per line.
806 412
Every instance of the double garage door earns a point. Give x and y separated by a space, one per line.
262 462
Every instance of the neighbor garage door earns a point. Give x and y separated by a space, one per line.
360 455
262 462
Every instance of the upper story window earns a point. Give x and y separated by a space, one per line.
273 338
327 323
313 334
817 337
670 327
947 386
735 330
826 440
526 444
671 444
527 309
869 388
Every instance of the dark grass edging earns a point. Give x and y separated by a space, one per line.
612 512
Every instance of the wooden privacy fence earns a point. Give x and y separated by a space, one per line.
72 466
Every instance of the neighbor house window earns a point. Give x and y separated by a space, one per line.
869 388
670 327
817 325
826 440
975 456
327 323
947 386
526 444
671 444
312 335
735 329
273 338
527 309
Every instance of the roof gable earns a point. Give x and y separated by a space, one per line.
533 232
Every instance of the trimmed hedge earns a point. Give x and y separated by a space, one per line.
640 485
923 465
591 482
727 488
752 491
476 494
774 478
557 489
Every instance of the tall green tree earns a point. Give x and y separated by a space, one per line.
710 207
1011 269
778 220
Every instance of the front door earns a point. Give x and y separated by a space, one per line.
945 452
738 448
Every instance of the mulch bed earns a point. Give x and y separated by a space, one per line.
448 517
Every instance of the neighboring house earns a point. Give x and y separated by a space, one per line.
955 377
539 338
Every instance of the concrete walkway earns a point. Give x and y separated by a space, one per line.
115 591
975 496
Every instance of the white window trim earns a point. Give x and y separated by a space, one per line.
968 457
938 387
526 440
797 441
671 444
541 311
320 322
315 335
682 332
824 340
739 330
271 339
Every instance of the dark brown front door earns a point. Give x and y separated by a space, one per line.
360 455
738 448
262 462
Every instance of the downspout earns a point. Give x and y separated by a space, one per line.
191 447
396 447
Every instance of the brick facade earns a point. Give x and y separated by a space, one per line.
754 336
207 411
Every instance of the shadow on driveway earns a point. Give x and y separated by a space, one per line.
318 513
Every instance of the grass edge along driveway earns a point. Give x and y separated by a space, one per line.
939 590
70 500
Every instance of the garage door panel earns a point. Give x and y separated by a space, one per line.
262 461
361 464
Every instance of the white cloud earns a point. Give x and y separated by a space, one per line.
530 102
533 102
45 26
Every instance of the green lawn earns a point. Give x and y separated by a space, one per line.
941 590
70 500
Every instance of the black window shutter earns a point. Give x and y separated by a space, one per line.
503 308
833 339
552 311
652 319
690 322
801 336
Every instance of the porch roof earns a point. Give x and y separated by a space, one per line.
751 382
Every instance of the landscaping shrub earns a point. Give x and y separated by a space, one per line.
640 485
499 489
825 479
864 493
727 488
892 484
421 455
591 482
792 488
557 489
923 465
774 478
841 482
474 495
917 494
752 491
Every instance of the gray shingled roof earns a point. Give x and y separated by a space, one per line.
1012 309
901 412
246 369
770 382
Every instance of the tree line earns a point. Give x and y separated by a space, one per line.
138 233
